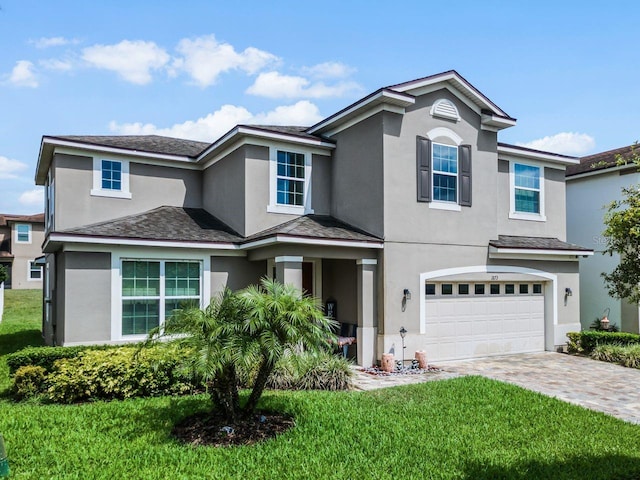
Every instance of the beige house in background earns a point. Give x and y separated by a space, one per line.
21 238
401 210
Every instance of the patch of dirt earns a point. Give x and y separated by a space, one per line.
216 430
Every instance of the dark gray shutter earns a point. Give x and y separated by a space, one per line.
464 175
424 169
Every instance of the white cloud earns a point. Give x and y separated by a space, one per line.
566 143
9 168
46 42
329 70
275 85
216 124
33 197
56 64
132 60
204 59
23 75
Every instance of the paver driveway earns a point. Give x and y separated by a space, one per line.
601 386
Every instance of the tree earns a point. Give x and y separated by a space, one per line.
622 233
246 331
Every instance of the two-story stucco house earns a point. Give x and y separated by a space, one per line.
21 238
403 208
592 185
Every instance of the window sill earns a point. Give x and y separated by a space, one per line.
532 217
454 207
289 209
110 193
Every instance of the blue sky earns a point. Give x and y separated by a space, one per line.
568 71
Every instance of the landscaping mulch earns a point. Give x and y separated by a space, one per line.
214 429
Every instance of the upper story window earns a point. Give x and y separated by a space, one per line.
445 173
110 178
526 191
35 271
290 181
23 233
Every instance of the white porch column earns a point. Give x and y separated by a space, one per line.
289 271
367 311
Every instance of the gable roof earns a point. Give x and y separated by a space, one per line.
603 160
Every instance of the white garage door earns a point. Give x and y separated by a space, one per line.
467 320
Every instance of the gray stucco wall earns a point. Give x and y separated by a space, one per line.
223 190
339 283
586 198
87 297
150 186
235 273
321 184
357 176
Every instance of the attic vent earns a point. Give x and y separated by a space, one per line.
446 109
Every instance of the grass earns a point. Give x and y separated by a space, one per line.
465 428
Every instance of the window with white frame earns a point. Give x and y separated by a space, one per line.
110 178
153 289
23 233
35 271
445 173
290 190
527 191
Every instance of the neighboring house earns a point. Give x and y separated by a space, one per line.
21 238
403 208
591 186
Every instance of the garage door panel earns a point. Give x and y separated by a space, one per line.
460 327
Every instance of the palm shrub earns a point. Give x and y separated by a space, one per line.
244 332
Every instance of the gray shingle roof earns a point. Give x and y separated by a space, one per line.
316 226
8 217
288 130
164 223
602 160
534 243
143 143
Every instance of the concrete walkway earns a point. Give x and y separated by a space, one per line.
600 386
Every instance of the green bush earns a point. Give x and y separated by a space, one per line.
305 371
45 356
626 355
587 340
28 381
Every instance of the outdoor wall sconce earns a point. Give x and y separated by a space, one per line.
568 292
407 294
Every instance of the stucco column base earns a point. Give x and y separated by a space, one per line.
289 271
367 337
560 332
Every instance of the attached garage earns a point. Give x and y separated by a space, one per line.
467 319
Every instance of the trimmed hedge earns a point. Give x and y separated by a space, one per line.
586 341
45 356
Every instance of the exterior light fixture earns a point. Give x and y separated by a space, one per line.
403 333
407 294
568 292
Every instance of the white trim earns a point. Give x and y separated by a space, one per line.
310 241
491 269
98 191
57 237
438 205
542 156
29 279
394 97
29 233
444 132
440 109
366 261
515 215
288 258
274 206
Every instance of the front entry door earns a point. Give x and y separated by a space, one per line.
307 278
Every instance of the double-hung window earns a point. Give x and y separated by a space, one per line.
23 233
527 191
290 185
110 178
153 289
35 271
445 173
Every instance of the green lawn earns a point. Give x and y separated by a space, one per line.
466 428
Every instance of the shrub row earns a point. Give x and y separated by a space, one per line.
586 341
114 373
305 371
627 355
45 356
